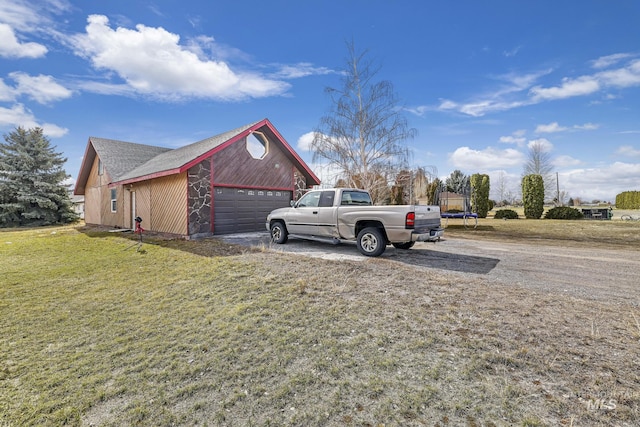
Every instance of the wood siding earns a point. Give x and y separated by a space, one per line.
143 204
98 200
162 204
234 166
169 204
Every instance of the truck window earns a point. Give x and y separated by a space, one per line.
355 198
309 200
326 199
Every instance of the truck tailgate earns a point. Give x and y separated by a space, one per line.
427 218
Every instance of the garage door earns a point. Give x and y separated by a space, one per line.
240 210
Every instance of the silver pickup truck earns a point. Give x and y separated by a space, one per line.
347 214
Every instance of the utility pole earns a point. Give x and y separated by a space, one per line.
558 190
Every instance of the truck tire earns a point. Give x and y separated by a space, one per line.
279 233
371 242
404 245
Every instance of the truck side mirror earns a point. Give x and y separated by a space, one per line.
292 203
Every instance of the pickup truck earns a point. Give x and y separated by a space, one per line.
347 214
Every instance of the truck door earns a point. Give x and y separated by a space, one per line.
303 219
326 215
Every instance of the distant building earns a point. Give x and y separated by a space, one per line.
78 204
454 202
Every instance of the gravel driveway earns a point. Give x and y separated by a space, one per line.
585 272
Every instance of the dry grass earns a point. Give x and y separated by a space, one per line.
205 333
614 234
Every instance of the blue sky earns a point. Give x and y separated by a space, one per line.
479 80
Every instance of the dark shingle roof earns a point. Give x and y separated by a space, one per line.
174 159
120 157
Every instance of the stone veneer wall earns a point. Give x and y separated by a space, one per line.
300 184
199 198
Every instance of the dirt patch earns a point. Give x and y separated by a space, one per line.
587 271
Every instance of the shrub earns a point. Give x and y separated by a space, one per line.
506 214
533 196
563 212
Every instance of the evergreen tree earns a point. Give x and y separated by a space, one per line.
533 196
458 183
31 176
480 187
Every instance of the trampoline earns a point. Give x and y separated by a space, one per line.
460 215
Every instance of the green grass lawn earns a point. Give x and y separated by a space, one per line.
94 332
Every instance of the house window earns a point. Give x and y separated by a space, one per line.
257 145
114 200
100 167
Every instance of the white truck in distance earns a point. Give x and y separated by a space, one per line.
347 214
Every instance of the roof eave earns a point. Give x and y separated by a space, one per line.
148 176
85 168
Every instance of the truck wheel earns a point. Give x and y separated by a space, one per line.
279 233
371 242
404 245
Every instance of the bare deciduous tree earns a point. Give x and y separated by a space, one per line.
364 133
539 163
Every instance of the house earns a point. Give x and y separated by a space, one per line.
454 202
224 184
78 204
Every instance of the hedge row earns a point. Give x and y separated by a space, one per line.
628 200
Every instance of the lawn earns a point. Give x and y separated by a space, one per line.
96 331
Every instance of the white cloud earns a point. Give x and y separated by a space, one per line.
502 99
154 63
304 142
418 111
512 140
480 108
43 89
521 90
481 160
6 93
17 115
512 52
583 85
516 137
602 183
622 77
550 128
609 60
587 126
11 47
446 104
302 69
626 76
565 161
20 15
555 127
628 151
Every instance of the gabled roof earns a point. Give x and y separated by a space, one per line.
118 157
174 161
127 162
